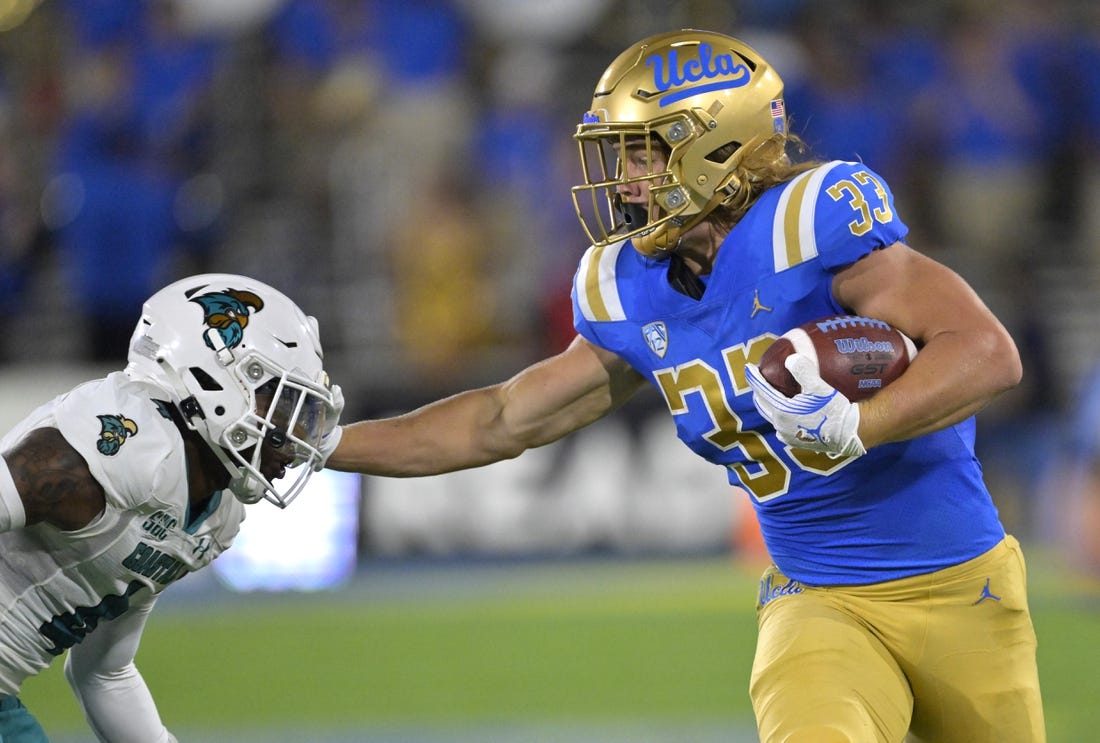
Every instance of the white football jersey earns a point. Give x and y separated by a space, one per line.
57 586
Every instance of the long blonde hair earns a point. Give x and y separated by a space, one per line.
758 165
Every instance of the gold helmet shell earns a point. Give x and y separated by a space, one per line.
684 96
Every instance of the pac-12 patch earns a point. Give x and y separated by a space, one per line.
656 337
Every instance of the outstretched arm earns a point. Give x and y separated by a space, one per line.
101 671
541 404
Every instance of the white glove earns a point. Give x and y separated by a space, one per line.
337 408
328 445
818 418
330 439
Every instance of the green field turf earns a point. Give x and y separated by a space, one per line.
644 650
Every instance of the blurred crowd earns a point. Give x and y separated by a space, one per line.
402 169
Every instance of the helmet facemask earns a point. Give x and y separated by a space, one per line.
670 209
282 431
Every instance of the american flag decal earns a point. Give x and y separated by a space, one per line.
779 116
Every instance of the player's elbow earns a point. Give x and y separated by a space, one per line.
1014 374
1004 367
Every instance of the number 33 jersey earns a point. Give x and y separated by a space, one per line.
58 586
902 509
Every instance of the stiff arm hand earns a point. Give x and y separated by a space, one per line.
330 439
818 418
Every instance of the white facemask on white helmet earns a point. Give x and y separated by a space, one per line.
244 366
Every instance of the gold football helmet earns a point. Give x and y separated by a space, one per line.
683 96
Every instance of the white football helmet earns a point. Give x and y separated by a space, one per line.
696 98
243 365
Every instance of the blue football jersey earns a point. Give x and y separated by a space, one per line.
902 509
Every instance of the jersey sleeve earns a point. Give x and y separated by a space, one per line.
596 291
131 449
854 215
834 214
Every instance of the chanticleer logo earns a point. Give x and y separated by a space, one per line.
113 432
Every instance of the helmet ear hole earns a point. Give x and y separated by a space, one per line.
723 153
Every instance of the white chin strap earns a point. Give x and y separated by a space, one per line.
244 486
249 485
247 489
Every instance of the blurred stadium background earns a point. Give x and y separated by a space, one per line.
401 168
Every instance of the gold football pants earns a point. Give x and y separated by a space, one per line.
947 657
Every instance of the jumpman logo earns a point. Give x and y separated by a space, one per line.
811 434
756 305
986 594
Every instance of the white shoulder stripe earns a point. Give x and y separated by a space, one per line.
793 238
580 281
596 285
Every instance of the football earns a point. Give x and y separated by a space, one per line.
856 355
